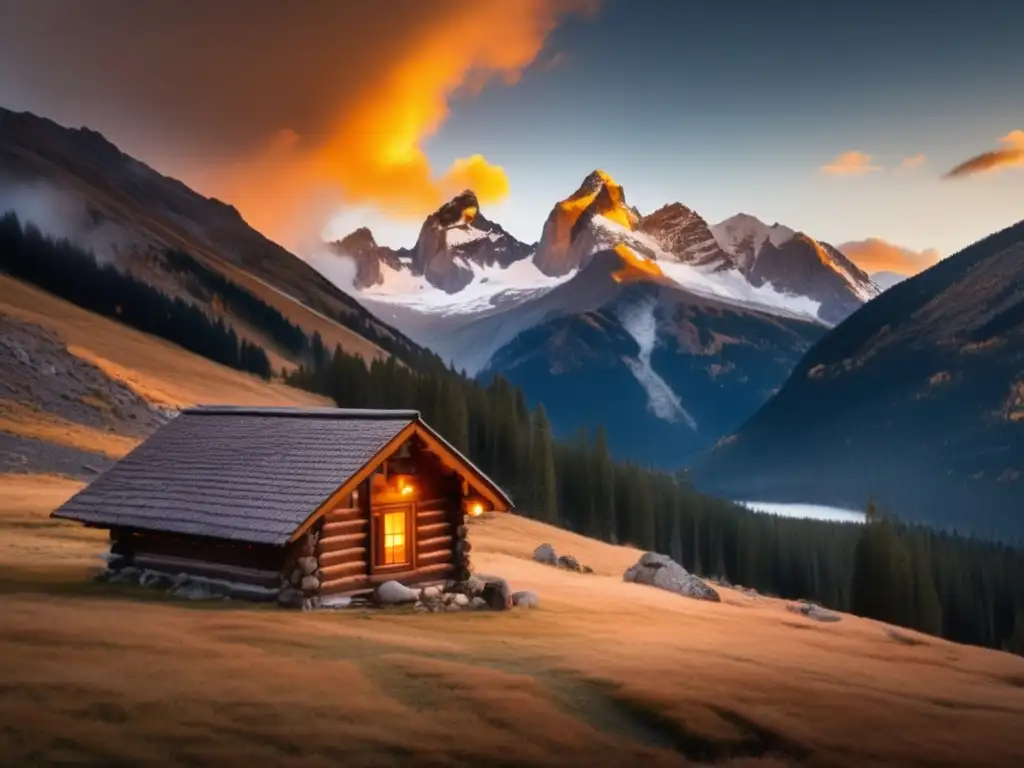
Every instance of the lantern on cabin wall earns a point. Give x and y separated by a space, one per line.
474 507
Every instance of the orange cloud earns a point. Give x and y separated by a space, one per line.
373 155
852 163
912 162
1011 155
874 255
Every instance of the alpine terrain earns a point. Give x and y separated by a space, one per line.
74 184
916 399
667 331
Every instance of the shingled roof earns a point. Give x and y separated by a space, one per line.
249 474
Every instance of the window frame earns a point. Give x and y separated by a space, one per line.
377 515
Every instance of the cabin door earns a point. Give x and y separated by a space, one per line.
394 537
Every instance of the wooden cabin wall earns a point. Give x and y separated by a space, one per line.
257 565
345 549
342 548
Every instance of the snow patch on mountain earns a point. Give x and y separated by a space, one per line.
640 323
744 235
490 287
727 285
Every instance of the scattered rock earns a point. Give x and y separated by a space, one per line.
816 612
452 607
497 595
461 600
431 593
478 603
311 603
663 572
335 602
525 600
395 593
545 553
586 569
568 562
290 598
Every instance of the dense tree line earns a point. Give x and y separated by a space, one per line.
72 273
964 589
210 286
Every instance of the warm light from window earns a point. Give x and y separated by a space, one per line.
394 538
407 489
476 510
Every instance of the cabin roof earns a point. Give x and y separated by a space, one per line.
245 473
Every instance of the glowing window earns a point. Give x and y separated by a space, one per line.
394 538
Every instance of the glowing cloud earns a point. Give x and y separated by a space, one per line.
874 255
852 163
912 162
285 110
1010 155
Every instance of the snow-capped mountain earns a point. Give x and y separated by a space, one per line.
687 328
795 263
455 243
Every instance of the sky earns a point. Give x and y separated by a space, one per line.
893 129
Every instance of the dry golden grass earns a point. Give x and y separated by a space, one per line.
26 421
605 673
158 371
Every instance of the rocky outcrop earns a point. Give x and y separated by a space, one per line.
361 247
815 612
454 242
562 248
685 236
663 572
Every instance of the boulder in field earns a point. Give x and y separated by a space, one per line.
546 554
665 573
525 600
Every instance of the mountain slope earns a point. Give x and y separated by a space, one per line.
74 183
665 370
917 399
794 262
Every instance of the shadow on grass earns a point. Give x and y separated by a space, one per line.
79 582
606 708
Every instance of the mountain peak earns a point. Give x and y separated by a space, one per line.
461 209
359 239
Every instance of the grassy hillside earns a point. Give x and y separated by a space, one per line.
162 373
604 673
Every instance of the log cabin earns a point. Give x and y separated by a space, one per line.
296 502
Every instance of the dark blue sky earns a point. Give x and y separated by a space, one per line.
834 117
736 104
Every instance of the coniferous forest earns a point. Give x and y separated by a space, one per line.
964 589
72 273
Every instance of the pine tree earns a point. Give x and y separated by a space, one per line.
543 468
927 616
882 585
602 477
